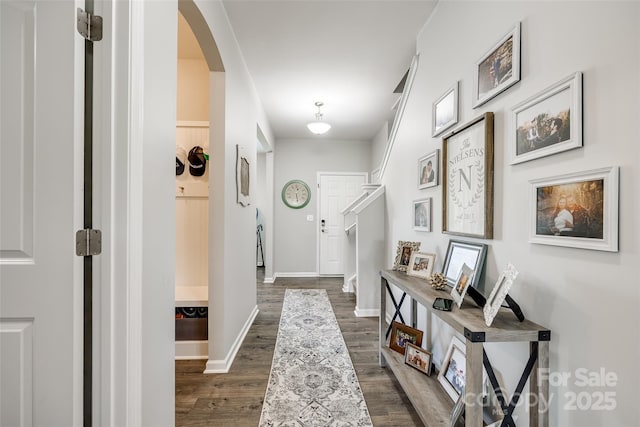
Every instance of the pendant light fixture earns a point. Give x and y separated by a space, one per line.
319 127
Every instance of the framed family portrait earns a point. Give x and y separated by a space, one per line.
499 293
467 183
445 111
242 176
401 335
498 69
421 265
547 123
422 214
460 253
418 358
428 170
452 375
403 254
578 210
459 289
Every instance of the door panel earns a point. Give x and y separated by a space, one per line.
40 293
336 192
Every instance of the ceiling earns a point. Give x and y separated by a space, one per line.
350 55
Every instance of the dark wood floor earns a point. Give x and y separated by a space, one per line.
235 399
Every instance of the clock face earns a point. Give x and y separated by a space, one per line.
296 194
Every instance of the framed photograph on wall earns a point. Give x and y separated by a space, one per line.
429 170
578 210
421 264
499 293
460 253
401 335
467 183
242 176
547 123
452 375
403 254
498 69
444 111
422 214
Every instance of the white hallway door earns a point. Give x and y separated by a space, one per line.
336 192
40 165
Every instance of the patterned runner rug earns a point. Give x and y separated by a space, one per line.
312 381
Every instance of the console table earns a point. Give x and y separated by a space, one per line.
428 398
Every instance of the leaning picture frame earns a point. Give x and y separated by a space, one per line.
547 123
421 265
576 210
401 335
499 293
460 253
464 280
429 170
418 358
444 111
242 176
403 254
467 179
452 375
422 214
498 69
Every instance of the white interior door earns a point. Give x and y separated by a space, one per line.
40 276
336 192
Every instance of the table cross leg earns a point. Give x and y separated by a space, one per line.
397 308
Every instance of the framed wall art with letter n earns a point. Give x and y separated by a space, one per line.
467 171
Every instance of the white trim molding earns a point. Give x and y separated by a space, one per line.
296 274
223 366
372 312
192 350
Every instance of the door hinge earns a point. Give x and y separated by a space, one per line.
89 25
88 242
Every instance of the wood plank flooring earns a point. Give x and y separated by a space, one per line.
235 399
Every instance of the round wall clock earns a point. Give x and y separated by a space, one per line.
296 194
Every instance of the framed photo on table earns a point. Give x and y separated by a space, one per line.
452 375
445 111
549 122
499 293
463 282
421 265
401 335
418 358
498 69
577 210
467 183
403 254
460 253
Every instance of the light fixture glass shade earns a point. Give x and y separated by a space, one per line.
319 127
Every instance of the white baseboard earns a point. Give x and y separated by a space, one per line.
372 312
269 279
223 366
192 350
295 274
349 284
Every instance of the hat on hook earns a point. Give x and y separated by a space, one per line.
181 160
197 161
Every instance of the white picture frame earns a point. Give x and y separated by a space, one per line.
429 170
464 280
588 217
452 375
444 111
421 265
503 56
403 254
498 293
548 122
421 214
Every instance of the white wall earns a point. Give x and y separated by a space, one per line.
260 198
589 299
295 238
